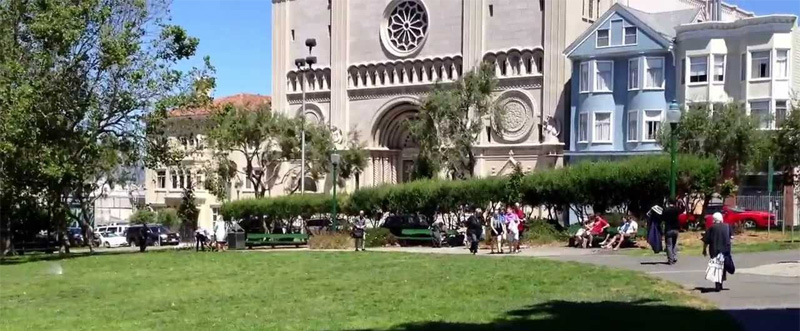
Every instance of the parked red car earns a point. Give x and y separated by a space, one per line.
732 215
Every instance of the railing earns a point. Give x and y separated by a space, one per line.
316 80
403 73
761 203
516 63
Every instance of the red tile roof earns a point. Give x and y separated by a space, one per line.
239 100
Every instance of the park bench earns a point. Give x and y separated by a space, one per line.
407 235
610 231
274 239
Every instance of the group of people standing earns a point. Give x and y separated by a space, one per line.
504 226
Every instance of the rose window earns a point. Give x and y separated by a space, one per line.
405 27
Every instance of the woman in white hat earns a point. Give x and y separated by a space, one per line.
718 240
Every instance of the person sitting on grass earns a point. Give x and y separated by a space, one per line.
581 233
599 225
625 231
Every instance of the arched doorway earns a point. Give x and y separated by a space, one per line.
396 151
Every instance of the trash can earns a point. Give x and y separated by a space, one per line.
236 240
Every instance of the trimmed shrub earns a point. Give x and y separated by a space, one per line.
379 237
541 232
331 240
636 184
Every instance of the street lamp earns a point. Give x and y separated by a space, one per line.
303 70
335 160
673 117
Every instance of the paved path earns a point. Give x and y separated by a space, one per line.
756 300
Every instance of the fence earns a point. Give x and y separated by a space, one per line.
761 202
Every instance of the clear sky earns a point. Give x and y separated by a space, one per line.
237 34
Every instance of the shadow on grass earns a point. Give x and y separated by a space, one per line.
36 257
606 315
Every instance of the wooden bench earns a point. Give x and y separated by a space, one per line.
272 240
407 235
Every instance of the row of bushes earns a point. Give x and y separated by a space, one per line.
635 184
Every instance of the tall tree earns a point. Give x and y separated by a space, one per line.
188 212
450 121
84 86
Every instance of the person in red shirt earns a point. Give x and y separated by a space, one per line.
598 228
521 227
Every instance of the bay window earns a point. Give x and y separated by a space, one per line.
719 68
655 72
584 77
633 74
583 127
782 63
652 124
698 67
781 110
759 65
633 125
602 127
604 76
759 111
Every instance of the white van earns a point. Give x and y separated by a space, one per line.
117 228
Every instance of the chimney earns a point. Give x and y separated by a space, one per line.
716 10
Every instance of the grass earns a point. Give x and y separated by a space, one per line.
183 290
689 243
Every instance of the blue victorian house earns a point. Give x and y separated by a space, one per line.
623 80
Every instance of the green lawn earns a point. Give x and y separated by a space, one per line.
184 290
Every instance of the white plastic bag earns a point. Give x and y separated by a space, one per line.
715 269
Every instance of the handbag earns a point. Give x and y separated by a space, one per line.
715 269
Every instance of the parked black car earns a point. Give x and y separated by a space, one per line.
396 223
159 235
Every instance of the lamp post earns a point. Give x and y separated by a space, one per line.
335 159
673 117
301 64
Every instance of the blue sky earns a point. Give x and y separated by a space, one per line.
237 34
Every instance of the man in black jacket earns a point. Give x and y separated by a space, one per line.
671 229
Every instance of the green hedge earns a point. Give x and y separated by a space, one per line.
636 183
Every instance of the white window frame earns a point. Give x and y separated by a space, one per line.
663 73
597 38
691 62
215 215
633 115
174 178
588 80
714 68
743 69
610 127
161 178
769 63
768 112
597 73
583 118
638 85
646 119
787 108
625 35
786 63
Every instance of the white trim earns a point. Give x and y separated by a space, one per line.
586 130
597 72
645 119
597 37
610 127
624 34
663 72
588 77
638 74
636 127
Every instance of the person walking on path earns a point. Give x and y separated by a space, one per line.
671 230
359 229
474 229
144 236
512 221
718 241
498 229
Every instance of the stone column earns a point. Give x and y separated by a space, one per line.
340 31
472 33
280 54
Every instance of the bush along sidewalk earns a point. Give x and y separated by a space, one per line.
633 184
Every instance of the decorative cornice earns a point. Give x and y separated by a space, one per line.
297 98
